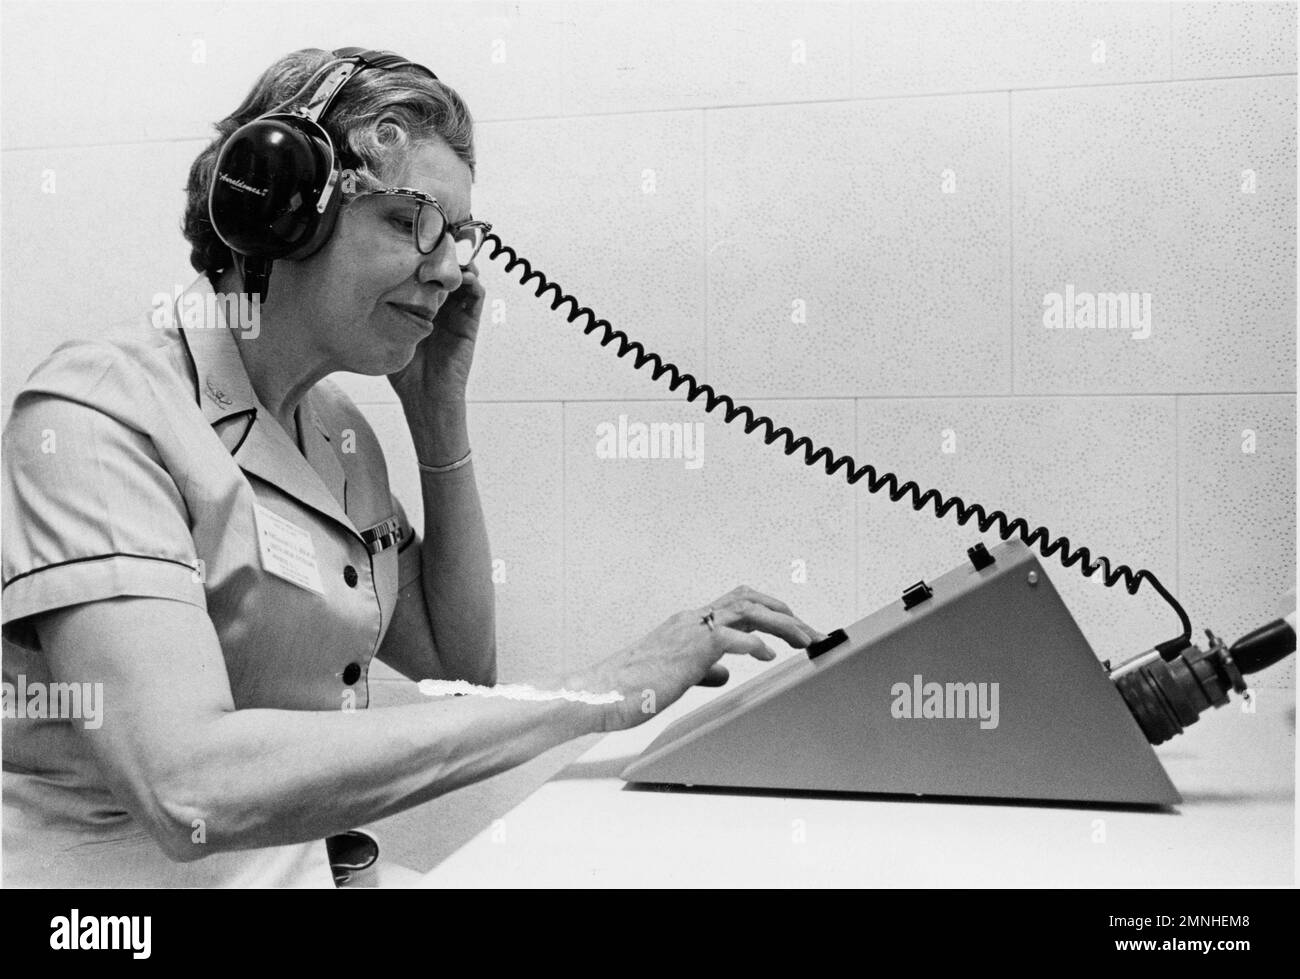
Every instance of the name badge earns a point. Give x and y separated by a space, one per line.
287 550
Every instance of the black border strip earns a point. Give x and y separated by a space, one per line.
97 557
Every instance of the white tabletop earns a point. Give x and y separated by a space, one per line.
586 827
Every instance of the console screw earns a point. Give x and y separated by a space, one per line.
1033 578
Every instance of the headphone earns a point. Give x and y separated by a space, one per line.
274 191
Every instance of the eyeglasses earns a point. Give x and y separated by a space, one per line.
423 217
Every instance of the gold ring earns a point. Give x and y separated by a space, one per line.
708 619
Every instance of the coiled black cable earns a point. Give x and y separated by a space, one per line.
1039 537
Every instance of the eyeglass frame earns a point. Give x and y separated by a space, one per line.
448 228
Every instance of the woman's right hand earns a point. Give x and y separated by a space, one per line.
684 651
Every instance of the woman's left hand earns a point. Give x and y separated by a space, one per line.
439 371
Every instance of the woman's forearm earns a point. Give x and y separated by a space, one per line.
201 775
257 778
455 557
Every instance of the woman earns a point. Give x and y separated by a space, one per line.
199 527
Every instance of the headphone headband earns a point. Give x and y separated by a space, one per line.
381 59
352 61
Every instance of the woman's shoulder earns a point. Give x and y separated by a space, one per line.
128 378
84 365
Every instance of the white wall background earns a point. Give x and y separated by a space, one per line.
919 175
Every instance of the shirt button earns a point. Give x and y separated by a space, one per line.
351 673
350 576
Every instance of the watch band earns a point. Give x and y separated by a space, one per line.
382 535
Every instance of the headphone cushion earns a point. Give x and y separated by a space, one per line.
268 178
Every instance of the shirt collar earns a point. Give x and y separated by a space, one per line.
231 406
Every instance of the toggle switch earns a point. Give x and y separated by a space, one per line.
980 556
832 640
917 594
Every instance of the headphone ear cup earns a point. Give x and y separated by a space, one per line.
268 180
323 226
